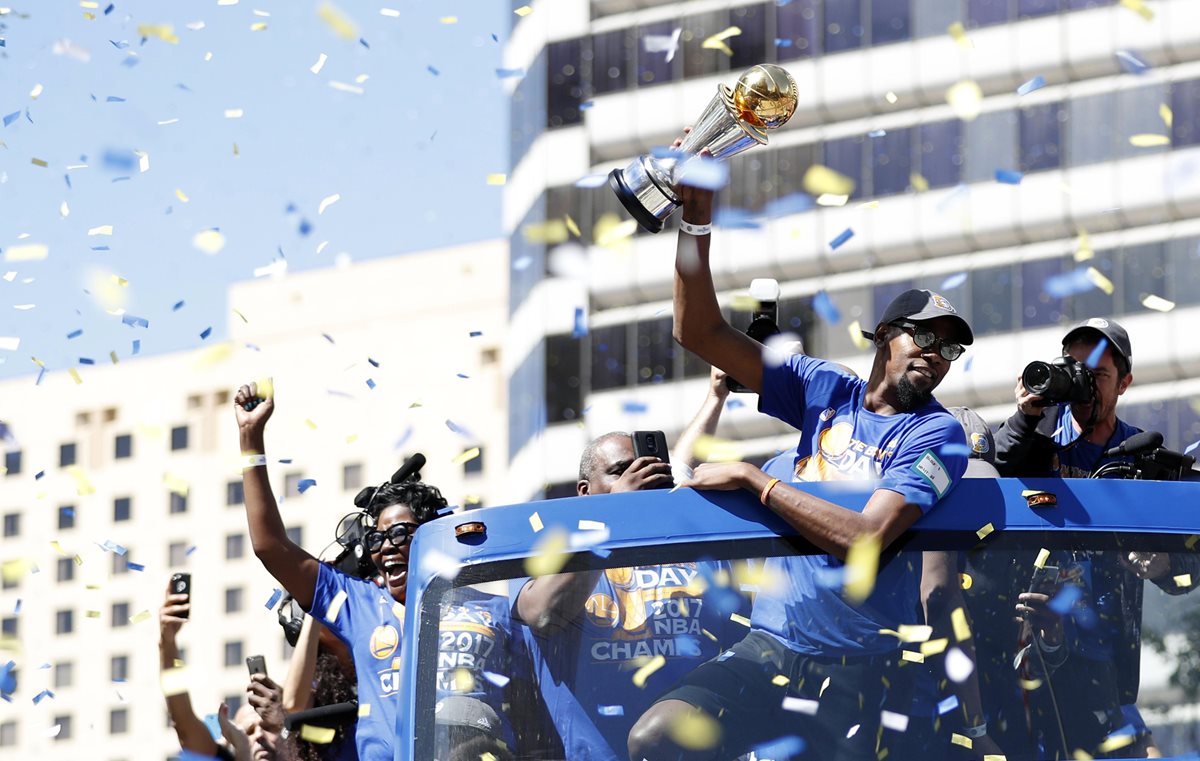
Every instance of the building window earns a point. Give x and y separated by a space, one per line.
66 454
610 60
12 462
291 484
233 600
891 21
123 446
66 517
352 476
64 622
655 351
10 626
796 30
609 356
475 464
992 300
66 569
845 155
296 535
177 553
1041 136
987 12
564 378
179 503
8 733
64 674
235 546
118 668
233 653
891 162
1185 107
122 509
234 494
64 728
843 25
752 43
120 564
12 524
179 438
234 702
118 721
120 615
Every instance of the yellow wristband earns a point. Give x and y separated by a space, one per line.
766 492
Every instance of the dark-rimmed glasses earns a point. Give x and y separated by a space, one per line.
924 338
398 534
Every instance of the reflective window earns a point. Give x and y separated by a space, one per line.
992 300
233 653
1041 136
1143 273
790 165
991 144
12 524
120 615
653 66
65 730
527 255
66 569
1038 307
852 304
527 109
564 85
66 517
526 400
178 503
988 12
610 354
750 48
12 462
1138 114
123 446
846 156
564 381
1034 8
611 56
891 21
751 179
843 25
1095 302
177 554
1090 136
64 674
179 438
891 162
796 30
235 546
233 600
64 622
699 61
655 351
934 17
881 296
1183 256
941 153
1185 108
66 454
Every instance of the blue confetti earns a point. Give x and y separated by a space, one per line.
134 566
689 646
10 118
42 696
951 450
101 248
793 203
177 306
190 550
1094 358
305 227
86 361
114 99
734 404
826 309
276 596
1068 283
706 173
134 321
1065 599
1191 446
306 484
118 160
829 577
4 44
610 710
953 281
1009 176
206 333
285 460
840 240
404 437
970 363
464 376
253 347
329 338
509 73
41 374
75 333
580 329
947 705
67 179
1131 62
191 755
374 363
131 60
213 726
121 179
121 45
667 152
456 428
733 218
28 118
782 42
433 71
584 106
137 347
784 747
476 333
8 680
17 607
371 384
1036 83
363 41
633 408
109 9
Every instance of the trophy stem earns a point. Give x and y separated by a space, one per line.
721 131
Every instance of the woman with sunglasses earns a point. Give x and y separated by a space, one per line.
367 618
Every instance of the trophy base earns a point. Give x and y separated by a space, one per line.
629 199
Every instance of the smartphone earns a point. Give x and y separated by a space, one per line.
650 444
257 664
181 584
764 320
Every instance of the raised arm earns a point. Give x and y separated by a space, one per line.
699 325
192 733
294 568
705 422
298 686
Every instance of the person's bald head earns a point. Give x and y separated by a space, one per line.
603 461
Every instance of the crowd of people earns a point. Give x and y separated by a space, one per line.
542 669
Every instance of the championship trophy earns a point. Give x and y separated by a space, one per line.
764 98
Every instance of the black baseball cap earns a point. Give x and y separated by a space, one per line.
1118 339
919 304
979 435
465 711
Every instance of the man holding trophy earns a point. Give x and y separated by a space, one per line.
816 668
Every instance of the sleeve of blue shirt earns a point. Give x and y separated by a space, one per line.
788 387
929 461
332 584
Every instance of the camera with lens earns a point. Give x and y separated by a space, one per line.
1063 379
764 319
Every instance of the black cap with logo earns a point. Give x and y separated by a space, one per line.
917 305
1118 339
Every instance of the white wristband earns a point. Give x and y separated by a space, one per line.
253 460
975 732
690 229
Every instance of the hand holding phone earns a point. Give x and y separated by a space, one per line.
256 664
181 584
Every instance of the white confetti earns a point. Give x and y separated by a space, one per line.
328 201
335 607
320 64
958 665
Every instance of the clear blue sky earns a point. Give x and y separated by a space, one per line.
409 157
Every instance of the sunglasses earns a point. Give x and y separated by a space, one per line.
925 338
398 534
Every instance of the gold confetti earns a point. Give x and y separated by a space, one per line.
13 570
234 113
1190 542
75 376
695 730
549 554
318 735
821 180
64 211
1081 755
101 230
175 484
1040 561
610 232
91 614
983 532
164 32
918 181
1164 113
717 41
1140 8
962 629
962 740
1113 742
1099 280
572 227
209 241
966 99
1149 140
549 233
39 162
994 757
862 564
824 686
856 336
466 456
174 681
1083 248
83 486
891 97
398 611
914 632
341 24
36 91
965 580
181 195
535 522
909 655
523 11
335 607
958 33
328 201
448 20
112 355
739 619
310 423
1183 580
139 617
643 673
258 26
30 252
364 709
712 449
934 646
780 680
497 179
1157 303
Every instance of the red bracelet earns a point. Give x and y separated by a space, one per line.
766 492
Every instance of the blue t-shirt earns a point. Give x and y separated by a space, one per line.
633 615
920 454
364 616
1080 460
477 652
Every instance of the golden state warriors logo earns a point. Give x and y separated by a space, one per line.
602 610
979 443
940 302
384 641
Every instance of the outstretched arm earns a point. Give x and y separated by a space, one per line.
705 422
192 733
294 568
297 687
552 604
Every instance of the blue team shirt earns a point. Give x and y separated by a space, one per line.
633 614
920 454
1081 459
364 616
